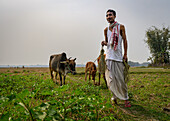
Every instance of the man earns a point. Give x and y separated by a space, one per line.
114 34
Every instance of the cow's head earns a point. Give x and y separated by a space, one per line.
72 65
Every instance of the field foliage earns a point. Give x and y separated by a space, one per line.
30 94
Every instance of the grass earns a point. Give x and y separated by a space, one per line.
30 94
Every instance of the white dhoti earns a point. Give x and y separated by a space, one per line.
115 79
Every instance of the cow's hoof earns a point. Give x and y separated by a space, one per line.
97 83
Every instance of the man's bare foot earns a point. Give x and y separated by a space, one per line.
115 101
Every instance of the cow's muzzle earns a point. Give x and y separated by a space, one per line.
74 72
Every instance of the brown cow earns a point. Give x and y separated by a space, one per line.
98 59
91 67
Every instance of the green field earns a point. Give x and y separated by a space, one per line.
30 94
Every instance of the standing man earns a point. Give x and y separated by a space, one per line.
114 34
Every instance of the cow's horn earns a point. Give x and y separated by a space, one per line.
63 61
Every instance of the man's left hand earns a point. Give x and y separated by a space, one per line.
125 58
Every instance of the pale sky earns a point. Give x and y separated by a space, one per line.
32 30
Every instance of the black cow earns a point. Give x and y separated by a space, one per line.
60 64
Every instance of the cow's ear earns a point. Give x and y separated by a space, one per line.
74 59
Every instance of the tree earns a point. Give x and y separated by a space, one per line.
159 45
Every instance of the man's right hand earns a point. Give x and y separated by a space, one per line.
103 43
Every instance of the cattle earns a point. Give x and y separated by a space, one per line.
72 65
91 67
61 65
98 59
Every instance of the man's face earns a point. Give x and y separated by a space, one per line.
110 17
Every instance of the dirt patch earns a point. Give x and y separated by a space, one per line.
19 70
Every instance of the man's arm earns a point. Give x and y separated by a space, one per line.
122 29
105 35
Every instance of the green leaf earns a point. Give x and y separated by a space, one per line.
108 105
23 93
39 115
43 105
5 117
11 97
51 112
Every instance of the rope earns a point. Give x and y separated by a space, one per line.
68 67
126 71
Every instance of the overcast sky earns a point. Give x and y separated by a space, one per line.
32 30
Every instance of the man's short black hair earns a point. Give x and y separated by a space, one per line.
110 10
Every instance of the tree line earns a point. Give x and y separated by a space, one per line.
159 45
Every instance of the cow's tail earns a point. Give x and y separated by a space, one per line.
50 66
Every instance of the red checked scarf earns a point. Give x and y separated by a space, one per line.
115 34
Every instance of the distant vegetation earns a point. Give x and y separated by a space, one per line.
137 64
159 45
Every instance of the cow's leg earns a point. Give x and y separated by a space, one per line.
60 78
105 79
64 79
89 75
51 74
99 79
56 77
85 75
93 80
